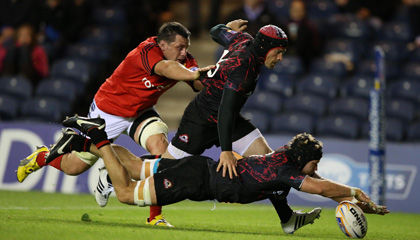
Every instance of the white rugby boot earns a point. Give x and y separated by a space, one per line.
104 188
300 219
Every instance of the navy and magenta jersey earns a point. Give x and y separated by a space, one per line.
237 69
260 177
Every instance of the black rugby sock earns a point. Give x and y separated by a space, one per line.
98 137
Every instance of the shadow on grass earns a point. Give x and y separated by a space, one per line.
300 235
137 226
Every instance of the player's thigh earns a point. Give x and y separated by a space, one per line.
114 125
193 138
72 164
247 139
149 131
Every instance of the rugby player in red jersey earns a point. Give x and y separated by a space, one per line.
126 101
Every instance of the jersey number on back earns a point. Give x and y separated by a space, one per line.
211 73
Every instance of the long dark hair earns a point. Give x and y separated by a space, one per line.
304 148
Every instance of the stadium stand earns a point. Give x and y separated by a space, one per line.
400 109
60 89
320 85
259 118
396 31
274 82
331 68
42 109
394 130
291 66
73 69
411 70
266 101
405 89
16 86
292 123
351 106
338 126
357 86
413 132
310 104
9 107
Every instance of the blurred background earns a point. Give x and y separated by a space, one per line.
54 54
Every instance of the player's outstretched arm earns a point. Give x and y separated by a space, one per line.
176 71
333 190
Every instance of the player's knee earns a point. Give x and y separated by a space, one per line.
157 144
150 129
73 164
124 196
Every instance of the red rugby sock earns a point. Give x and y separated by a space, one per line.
56 162
154 211
40 159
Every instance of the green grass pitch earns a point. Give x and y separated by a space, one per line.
36 215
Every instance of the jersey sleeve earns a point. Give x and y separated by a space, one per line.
223 35
293 179
149 56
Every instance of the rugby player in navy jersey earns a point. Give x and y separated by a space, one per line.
163 181
213 116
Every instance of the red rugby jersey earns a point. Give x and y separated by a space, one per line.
133 86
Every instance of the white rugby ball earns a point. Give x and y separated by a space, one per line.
351 219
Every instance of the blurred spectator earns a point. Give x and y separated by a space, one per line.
365 9
6 41
304 38
51 26
144 18
25 56
76 16
195 15
413 10
15 13
257 14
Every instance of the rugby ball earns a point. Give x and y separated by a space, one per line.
351 219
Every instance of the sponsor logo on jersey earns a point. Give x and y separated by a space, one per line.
167 184
184 138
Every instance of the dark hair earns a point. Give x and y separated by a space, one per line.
304 148
169 30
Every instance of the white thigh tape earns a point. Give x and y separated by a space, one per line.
176 152
152 126
87 157
149 168
142 193
146 193
241 145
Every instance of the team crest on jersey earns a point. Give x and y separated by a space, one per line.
184 138
167 184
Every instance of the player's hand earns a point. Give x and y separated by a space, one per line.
237 25
203 70
361 196
228 162
367 208
371 206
